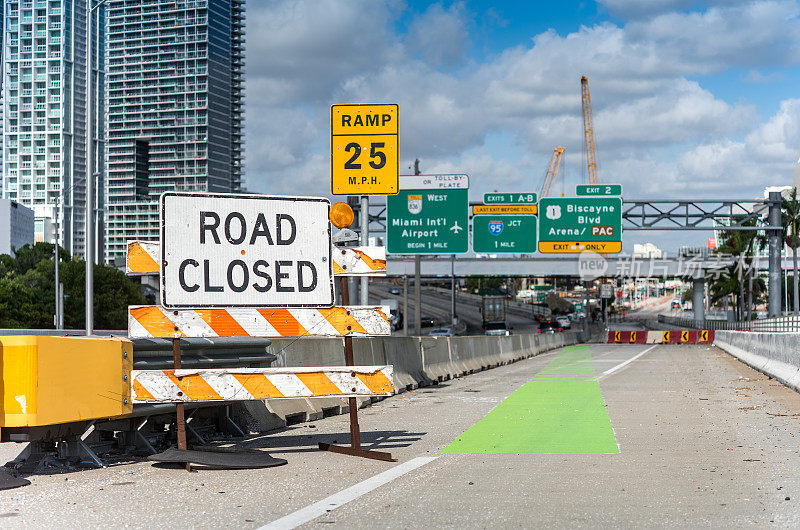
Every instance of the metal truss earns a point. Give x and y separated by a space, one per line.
695 215
658 215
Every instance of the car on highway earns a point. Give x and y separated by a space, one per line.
427 321
496 329
550 326
394 290
441 332
564 322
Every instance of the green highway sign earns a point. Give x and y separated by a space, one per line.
576 224
429 215
599 189
510 198
504 233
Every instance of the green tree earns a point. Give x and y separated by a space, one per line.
740 281
27 256
27 291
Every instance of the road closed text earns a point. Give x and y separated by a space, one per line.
242 251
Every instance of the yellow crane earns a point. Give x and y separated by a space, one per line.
588 131
552 173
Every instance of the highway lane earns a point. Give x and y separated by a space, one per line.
700 439
438 304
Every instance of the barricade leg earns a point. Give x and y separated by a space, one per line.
355 431
180 413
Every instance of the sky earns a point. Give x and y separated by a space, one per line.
690 99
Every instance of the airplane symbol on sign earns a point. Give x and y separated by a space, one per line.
455 228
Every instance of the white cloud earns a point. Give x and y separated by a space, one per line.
644 8
756 34
301 52
765 157
654 128
439 36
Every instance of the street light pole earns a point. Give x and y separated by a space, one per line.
59 312
57 318
89 223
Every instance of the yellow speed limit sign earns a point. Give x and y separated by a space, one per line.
364 158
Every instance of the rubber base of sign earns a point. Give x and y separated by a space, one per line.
9 481
218 458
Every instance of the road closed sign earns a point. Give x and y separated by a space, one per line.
226 250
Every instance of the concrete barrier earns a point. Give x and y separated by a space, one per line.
436 363
405 354
774 354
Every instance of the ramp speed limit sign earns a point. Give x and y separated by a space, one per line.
226 250
364 149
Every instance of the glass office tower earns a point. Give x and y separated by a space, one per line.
174 96
44 118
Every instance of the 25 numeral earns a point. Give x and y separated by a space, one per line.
373 154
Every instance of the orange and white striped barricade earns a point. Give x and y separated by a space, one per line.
342 321
242 384
143 258
226 384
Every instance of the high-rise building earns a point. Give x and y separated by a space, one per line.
174 96
16 226
44 118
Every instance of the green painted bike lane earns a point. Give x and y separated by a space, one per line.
561 410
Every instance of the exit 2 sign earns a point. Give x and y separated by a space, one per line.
608 190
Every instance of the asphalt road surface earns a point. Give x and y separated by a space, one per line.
587 436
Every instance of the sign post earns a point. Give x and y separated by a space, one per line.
429 215
578 224
364 160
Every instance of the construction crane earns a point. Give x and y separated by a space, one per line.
588 131
552 173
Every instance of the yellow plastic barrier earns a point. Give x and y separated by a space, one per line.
49 380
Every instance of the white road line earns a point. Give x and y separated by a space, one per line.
309 513
622 365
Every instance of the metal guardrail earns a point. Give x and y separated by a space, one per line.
767 325
231 352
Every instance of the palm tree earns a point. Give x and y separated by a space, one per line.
741 244
791 231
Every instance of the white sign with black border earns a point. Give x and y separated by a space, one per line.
237 250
